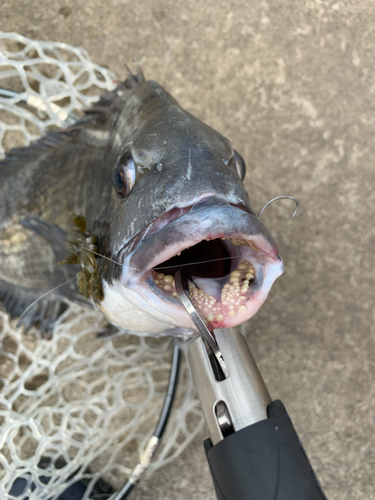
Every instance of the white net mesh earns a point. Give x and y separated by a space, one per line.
75 404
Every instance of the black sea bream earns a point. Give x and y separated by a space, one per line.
159 189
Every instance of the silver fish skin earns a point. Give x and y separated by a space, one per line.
152 181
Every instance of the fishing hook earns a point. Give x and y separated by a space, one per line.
279 198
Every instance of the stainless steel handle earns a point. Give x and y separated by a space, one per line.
243 392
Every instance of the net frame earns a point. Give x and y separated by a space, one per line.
76 407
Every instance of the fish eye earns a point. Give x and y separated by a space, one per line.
240 165
123 175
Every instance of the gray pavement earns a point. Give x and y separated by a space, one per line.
292 85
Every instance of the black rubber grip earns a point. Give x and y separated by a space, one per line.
265 461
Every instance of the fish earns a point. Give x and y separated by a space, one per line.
153 189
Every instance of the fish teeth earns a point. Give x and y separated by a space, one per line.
232 294
238 241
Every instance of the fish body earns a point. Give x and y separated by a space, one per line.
158 189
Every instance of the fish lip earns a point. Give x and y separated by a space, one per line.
168 217
211 218
198 215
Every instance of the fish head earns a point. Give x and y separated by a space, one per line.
178 199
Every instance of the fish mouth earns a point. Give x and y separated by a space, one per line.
229 253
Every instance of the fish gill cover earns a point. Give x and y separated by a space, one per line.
75 402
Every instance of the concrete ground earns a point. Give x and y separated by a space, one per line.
292 85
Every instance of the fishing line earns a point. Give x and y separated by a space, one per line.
164 267
193 263
44 295
100 255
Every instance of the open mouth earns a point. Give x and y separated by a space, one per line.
217 268
231 256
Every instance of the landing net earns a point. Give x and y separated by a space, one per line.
76 407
